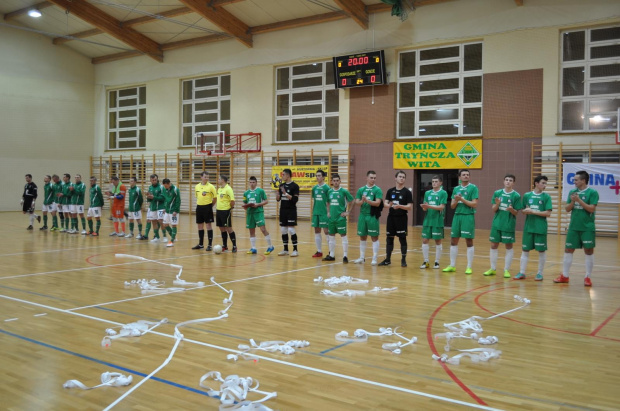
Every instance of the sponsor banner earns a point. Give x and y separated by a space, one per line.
304 176
604 178
440 154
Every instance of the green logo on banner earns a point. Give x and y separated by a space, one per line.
468 154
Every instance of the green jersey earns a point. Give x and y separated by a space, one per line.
172 199
504 220
469 193
78 194
319 196
254 197
96 196
66 193
536 202
580 219
338 202
157 203
435 218
135 199
57 189
49 197
371 193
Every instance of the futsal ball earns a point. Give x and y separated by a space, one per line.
217 249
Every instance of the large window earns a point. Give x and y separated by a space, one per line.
206 107
590 92
440 92
127 118
306 103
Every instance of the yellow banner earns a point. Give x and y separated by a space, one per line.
304 176
438 154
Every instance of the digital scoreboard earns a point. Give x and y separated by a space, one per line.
358 70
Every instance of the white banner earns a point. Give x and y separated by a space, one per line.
604 178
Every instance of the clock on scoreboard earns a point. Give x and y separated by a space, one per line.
358 70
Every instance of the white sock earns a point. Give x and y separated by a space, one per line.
31 219
253 242
425 250
470 256
345 246
589 264
493 258
362 249
268 238
375 249
525 256
454 252
331 243
542 257
318 242
568 260
508 259
438 250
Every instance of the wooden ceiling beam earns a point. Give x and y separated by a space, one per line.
25 10
223 19
109 25
356 10
304 21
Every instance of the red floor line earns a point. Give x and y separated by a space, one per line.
431 343
604 323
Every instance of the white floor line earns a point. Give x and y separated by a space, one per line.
303 367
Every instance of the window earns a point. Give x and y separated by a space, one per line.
440 92
307 103
205 107
127 118
128 169
590 75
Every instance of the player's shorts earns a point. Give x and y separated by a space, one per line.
288 217
73 208
94 212
337 225
204 214
223 218
320 221
534 241
27 205
253 220
79 208
170 219
367 225
396 225
118 211
135 215
432 233
580 239
51 208
155 215
463 226
504 237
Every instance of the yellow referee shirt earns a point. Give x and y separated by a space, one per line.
205 194
224 197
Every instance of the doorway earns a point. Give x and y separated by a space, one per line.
423 184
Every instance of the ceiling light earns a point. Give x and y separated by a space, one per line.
34 13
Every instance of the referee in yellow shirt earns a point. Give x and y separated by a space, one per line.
225 204
206 196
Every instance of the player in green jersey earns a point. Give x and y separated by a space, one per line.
368 197
56 191
434 204
94 210
464 202
537 207
320 213
65 201
173 207
506 204
78 190
340 204
253 201
48 200
135 208
156 211
581 202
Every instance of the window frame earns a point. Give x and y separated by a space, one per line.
137 118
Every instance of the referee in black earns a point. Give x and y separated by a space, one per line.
28 199
399 201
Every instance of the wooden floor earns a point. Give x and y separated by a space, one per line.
60 292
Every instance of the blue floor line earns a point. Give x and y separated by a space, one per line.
335 348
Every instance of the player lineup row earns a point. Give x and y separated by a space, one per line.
331 205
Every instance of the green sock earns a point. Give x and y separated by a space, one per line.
156 232
98 225
90 225
148 228
173 232
55 221
131 227
140 229
44 220
67 223
74 223
83 223
169 229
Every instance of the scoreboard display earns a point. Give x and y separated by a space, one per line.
359 70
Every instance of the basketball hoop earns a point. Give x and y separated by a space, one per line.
207 144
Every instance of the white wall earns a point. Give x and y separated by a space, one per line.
46 112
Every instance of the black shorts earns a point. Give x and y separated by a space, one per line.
204 214
222 218
288 217
396 225
27 204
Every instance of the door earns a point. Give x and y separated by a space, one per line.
423 184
